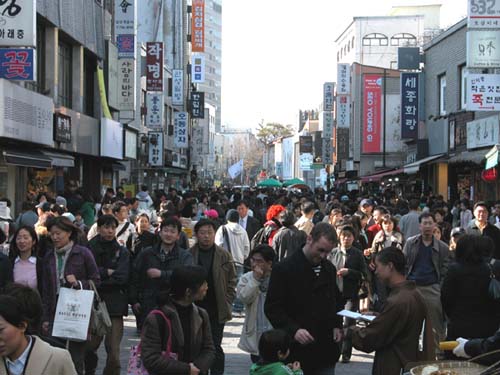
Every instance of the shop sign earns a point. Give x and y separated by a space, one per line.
328 90
306 144
483 14
197 104
181 130
342 148
177 87
18 23
17 64
198 69
327 151
125 17
343 111
483 92
409 105
126 46
155 158
62 128
372 98
483 49
130 145
154 108
306 161
327 125
111 138
126 84
154 66
483 132
343 79
26 115
112 69
198 26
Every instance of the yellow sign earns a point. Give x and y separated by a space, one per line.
217 183
129 191
102 94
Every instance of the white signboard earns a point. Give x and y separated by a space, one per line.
112 76
177 87
125 17
328 91
343 79
18 23
483 49
483 92
483 132
130 144
483 14
154 108
155 145
327 151
343 111
25 115
111 138
305 161
126 84
181 130
198 69
327 124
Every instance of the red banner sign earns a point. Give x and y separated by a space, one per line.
198 26
372 98
154 66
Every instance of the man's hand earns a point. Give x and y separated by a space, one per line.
258 273
136 308
338 334
193 370
153 273
71 279
367 252
303 337
342 272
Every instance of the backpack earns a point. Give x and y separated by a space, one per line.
261 237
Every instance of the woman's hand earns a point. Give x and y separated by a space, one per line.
342 272
193 370
71 279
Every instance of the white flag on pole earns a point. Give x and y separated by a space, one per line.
235 169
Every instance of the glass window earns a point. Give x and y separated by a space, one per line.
89 68
39 84
375 39
64 85
403 39
442 94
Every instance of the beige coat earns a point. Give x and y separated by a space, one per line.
46 360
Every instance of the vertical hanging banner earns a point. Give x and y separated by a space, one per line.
154 108
177 87
125 17
343 79
126 46
126 84
409 105
328 90
17 64
154 66
155 158
198 26
181 130
198 69
18 23
343 111
372 98
197 104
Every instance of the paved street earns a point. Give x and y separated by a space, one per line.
237 362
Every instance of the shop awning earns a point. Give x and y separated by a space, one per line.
492 157
378 176
60 160
414 167
32 159
476 156
116 166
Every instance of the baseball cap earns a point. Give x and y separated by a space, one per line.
457 231
44 206
344 198
61 201
70 216
366 201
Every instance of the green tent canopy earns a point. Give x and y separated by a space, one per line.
270 182
293 181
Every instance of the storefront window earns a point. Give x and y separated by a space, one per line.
41 181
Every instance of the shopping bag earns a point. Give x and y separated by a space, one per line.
73 310
135 364
100 324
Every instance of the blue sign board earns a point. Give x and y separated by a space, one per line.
17 64
409 105
126 46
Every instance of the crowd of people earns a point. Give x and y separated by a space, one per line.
287 260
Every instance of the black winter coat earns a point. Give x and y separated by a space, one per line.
356 264
5 271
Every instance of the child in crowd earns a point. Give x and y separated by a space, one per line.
274 348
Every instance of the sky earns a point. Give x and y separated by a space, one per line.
276 54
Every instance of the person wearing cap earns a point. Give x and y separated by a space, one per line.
409 225
366 206
482 227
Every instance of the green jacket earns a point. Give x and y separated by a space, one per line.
276 368
88 213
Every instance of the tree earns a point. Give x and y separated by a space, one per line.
271 132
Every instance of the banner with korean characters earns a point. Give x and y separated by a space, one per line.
155 144
327 151
328 90
483 49
327 120
483 14
483 92
177 87
197 104
17 64
343 111
483 132
181 130
372 113
154 66
198 26
126 84
409 105
126 46
125 17
154 110
198 69
18 23
343 79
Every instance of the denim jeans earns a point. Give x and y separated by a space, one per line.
217 334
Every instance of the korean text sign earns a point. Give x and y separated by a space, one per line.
372 98
409 105
154 66
198 26
18 23
483 92
343 79
181 130
17 64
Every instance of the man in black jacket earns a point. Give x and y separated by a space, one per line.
482 227
303 299
473 348
113 263
249 223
